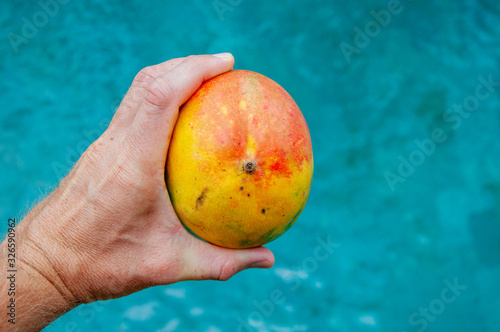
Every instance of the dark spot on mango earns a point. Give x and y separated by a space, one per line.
201 198
241 188
248 195
263 211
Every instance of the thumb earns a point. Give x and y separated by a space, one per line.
206 261
158 110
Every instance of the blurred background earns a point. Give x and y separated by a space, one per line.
402 228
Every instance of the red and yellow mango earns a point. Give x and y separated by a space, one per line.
240 163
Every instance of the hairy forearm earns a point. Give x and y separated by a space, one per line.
36 302
31 295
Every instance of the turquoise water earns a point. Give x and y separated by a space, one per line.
405 131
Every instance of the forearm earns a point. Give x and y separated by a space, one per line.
31 294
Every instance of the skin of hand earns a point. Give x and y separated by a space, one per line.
109 229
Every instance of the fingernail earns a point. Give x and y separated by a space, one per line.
225 56
260 265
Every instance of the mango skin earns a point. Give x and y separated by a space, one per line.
234 119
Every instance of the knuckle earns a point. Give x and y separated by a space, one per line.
145 75
227 270
159 92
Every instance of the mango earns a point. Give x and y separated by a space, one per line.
240 163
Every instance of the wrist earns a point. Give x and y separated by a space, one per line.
36 294
37 265
29 301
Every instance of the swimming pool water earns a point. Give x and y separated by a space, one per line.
402 228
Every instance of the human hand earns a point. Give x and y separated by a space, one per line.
109 229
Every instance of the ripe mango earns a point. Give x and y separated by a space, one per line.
240 164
